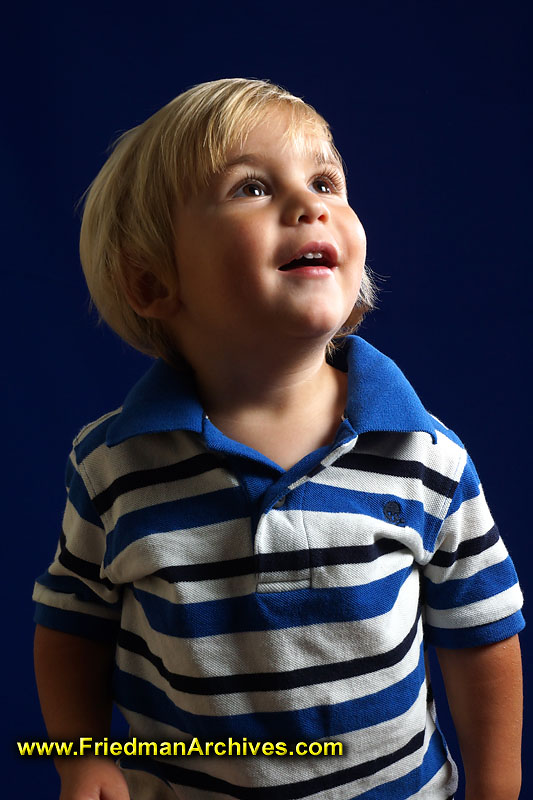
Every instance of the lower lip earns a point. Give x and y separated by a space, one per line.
309 272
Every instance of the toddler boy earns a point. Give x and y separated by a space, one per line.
262 541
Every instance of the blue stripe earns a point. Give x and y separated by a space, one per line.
272 610
176 515
477 636
481 586
408 785
468 487
316 785
342 499
81 501
59 619
338 499
66 584
228 504
138 695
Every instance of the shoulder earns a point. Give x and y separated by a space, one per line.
446 433
120 477
93 434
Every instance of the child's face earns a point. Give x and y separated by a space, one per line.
274 202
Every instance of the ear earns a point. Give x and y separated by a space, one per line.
148 295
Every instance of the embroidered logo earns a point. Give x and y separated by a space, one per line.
393 512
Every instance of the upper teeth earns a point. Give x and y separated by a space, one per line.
312 255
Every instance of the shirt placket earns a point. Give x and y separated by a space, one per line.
281 543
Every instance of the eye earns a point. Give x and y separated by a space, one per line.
322 185
250 187
329 182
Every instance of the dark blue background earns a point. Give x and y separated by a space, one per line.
429 103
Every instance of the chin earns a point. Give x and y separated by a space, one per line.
319 327
323 318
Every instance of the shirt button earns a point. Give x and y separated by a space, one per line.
279 503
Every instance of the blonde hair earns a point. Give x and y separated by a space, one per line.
128 217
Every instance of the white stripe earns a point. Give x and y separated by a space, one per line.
465 568
87 429
288 648
482 612
321 694
411 489
205 544
69 602
84 539
325 529
359 747
470 520
445 457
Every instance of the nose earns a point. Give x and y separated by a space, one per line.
304 206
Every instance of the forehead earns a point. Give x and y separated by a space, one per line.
306 135
226 138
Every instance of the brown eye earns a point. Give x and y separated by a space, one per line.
322 186
250 189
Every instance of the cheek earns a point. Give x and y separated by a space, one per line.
358 238
357 253
244 243
362 237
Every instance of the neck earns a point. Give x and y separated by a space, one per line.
282 402
269 381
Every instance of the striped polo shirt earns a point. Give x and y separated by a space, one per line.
280 605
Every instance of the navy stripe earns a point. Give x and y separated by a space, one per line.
400 468
472 547
272 610
83 568
172 773
304 724
139 479
215 570
279 562
81 501
408 785
270 681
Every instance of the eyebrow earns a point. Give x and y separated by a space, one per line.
317 157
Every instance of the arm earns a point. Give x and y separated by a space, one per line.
74 683
484 690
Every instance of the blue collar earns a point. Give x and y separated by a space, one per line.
380 398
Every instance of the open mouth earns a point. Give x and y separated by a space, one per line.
315 261
314 254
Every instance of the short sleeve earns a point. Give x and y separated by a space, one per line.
470 587
72 595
